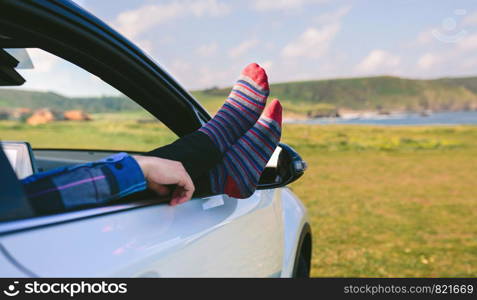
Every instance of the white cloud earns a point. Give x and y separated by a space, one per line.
333 16
378 60
51 73
468 64
208 76
145 45
453 32
134 22
81 3
267 64
425 37
42 60
428 60
269 5
180 66
242 48
440 35
313 43
470 20
207 50
468 43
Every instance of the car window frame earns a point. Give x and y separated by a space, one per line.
69 32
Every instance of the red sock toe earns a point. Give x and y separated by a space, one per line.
231 188
274 111
257 74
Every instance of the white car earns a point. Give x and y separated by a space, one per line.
265 235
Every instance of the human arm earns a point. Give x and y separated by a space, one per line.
104 181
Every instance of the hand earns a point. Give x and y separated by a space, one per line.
161 173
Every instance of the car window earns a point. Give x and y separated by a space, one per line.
60 105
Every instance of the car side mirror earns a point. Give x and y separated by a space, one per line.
285 167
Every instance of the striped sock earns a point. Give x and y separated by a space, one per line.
241 109
239 173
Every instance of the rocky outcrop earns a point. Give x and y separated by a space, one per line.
41 116
21 112
76 115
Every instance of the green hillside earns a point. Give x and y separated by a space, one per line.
372 93
308 98
10 98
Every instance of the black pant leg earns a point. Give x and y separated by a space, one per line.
197 153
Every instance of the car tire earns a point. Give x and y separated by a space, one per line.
302 269
302 263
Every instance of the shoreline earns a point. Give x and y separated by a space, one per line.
390 118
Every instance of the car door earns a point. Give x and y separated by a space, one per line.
215 236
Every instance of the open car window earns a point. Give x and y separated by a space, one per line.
83 47
54 114
62 106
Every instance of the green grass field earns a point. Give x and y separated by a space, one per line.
383 201
390 202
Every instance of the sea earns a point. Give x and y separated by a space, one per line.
438 118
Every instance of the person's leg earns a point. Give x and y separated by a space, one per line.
202 150
237 171
195 151
244 162
241 110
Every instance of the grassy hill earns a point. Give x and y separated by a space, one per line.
10 98
372 93
306 98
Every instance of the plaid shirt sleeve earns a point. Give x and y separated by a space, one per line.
92 183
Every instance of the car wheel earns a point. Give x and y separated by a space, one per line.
302 269
302 264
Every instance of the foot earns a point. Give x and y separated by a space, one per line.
243 164
241 109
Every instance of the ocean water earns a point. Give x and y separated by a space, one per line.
441 118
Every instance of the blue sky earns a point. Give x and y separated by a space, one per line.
205 43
